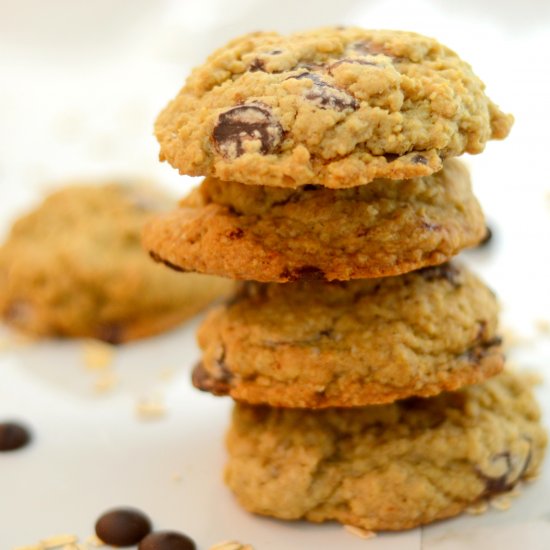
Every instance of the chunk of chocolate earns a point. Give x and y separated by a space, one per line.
166 540
204 381
123 527
327 96
419 159
13 436
308 272
247 123
443 271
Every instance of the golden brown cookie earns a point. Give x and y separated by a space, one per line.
317 344
75 267
334 106
277 235
388 467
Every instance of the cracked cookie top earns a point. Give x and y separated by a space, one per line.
387 467
315 344
334 106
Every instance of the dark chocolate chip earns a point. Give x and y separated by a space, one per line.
13 436
257 65
247 123
353 60
123 526
419 159
166 540
235 234
390 157
308 272
204 381
326 96
112 334
488 237
160 260
477 352
443 271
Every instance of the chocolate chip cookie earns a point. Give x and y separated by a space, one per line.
317 344
337 107
386 467
75 267
267 234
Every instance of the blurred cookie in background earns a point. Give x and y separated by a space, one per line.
74 267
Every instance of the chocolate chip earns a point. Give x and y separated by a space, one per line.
166 540
112 334
204 381
488 237
246 123
477 352
443 271
257 65
390 157
419 159
160 260
326 96
123 526
308 272
235 234
353 60
13 436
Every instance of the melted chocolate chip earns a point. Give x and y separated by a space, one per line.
326 96
419 159
13 436
308 272
112 334
353 60
235 234
390 157
257 65
246 123
160 260
488 237
443 271
204 381
166 540
123 526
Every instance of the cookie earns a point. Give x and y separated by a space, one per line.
334 106
317 344
266 234
387 467
75 267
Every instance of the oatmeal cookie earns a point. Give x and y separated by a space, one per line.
386 467
316 344
336 106
75 267
277 235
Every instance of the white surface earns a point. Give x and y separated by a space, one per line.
80 85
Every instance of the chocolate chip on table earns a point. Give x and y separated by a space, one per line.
122 526
13 436
245 123
166 540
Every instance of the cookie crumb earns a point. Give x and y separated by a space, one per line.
543 326
231 545
57 541
95 541
501 502
97 355
512 339
176 477
478 508
359 532
105 382
166 374
150 408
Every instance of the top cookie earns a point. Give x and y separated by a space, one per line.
335 106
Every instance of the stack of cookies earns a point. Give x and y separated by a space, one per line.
365 366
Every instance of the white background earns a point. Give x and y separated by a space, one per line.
80 85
